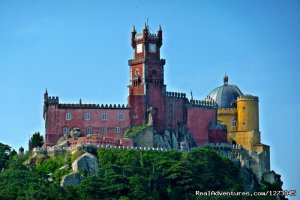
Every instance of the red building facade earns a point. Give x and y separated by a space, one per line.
148 101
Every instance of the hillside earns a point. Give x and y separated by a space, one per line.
124 174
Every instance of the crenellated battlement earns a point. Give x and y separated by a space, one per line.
247 97
203 103
53 100
93 106
175 95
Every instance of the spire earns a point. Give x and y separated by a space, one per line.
191 95
225 79
159 29
146 26
46 92
133 30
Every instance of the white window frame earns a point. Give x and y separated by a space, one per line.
121 117
87 116
104 117
103 130
65 130
234 123
117 130
68 116
89 130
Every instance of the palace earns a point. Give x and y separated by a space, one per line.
225 116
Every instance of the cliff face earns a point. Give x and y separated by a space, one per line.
146 136
174 139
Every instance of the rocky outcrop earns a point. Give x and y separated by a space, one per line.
75 133
86 164
71 179
144 138
174 139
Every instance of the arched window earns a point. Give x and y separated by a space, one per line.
121 117
65 130
89 130
68 116
233 123
103 130
87 116
117 130
104 116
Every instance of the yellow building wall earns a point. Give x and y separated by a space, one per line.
245 138
226 116
248 114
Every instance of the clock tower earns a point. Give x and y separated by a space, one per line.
147 89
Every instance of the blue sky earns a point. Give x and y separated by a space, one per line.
80 49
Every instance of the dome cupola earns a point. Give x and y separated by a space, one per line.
225 96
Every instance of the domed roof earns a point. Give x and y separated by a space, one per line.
225 96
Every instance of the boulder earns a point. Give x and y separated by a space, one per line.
174 141
71 179
87 164
75 133
61 140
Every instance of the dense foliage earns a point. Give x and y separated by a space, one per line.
134 131
126 174
36 140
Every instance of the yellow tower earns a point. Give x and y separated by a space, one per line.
247 109
247 133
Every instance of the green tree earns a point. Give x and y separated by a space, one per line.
4 155
36 140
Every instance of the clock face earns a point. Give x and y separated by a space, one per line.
139 48
152 48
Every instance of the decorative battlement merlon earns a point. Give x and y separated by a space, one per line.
93 106
247 97
53 100
175 95
202 103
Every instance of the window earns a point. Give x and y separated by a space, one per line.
117 130
87 116
134 116
89 130
121 117
233 123
104 117
154 71
103 130
65 130
68 116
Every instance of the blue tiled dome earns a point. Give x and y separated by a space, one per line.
225 96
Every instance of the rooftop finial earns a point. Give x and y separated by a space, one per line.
159 29
133 30
225 79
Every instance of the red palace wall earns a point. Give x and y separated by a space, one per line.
217 136
158 103
56 121
198 121
175 110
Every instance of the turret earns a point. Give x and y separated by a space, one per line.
159 35
145 31
46 96
133 33
247 108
